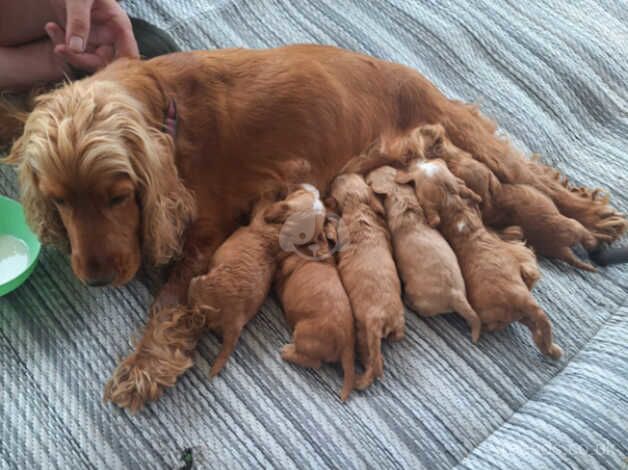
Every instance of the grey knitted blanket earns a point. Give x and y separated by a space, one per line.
553 74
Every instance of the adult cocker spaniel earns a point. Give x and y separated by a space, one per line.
157 162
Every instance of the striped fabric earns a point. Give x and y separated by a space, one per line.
553 74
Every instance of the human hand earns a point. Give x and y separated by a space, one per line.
91 33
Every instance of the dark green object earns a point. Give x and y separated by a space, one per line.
188 460
12 222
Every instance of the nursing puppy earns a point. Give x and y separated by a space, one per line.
317 309
498 274
241 272
432 281
544 227
368 273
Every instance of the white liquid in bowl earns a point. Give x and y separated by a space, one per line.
13 257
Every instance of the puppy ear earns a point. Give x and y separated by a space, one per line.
277 213
404 177
376 204
467 192
331 204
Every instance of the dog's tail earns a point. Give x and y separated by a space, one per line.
461 305
373 362
347 360
539 325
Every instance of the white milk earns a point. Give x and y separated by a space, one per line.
13 257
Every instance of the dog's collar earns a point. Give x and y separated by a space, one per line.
170 121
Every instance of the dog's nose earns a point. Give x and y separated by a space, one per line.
99 273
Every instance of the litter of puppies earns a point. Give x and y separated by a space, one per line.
426 224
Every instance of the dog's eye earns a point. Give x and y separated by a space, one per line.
59 201
117 200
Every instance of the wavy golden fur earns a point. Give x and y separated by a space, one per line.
93 130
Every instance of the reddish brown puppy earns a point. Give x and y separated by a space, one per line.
368 273
498 274
242 270
317 310
432 281
544 227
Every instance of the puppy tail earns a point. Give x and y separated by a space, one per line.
540 327
461 305
375 364
348 368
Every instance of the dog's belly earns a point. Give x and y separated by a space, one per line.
243 112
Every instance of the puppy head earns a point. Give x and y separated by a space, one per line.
98 180
382 180
350 188
301 215
434 140
422 172
433 181
304 199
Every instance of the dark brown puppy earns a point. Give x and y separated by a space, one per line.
368 273
498 274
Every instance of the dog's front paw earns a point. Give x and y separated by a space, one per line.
140 379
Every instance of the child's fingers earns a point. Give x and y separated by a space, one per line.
55 33
88 61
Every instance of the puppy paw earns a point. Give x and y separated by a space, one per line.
555 351
591 209
140 379
289 353
362 382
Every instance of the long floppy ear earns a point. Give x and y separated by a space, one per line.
167 205
41 214
404 177
277 213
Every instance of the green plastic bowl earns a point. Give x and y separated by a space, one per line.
12 222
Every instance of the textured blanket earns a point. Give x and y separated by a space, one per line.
553 74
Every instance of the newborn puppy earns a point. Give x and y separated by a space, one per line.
498 274
368 272
241 272
432 281
317 309
544 227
